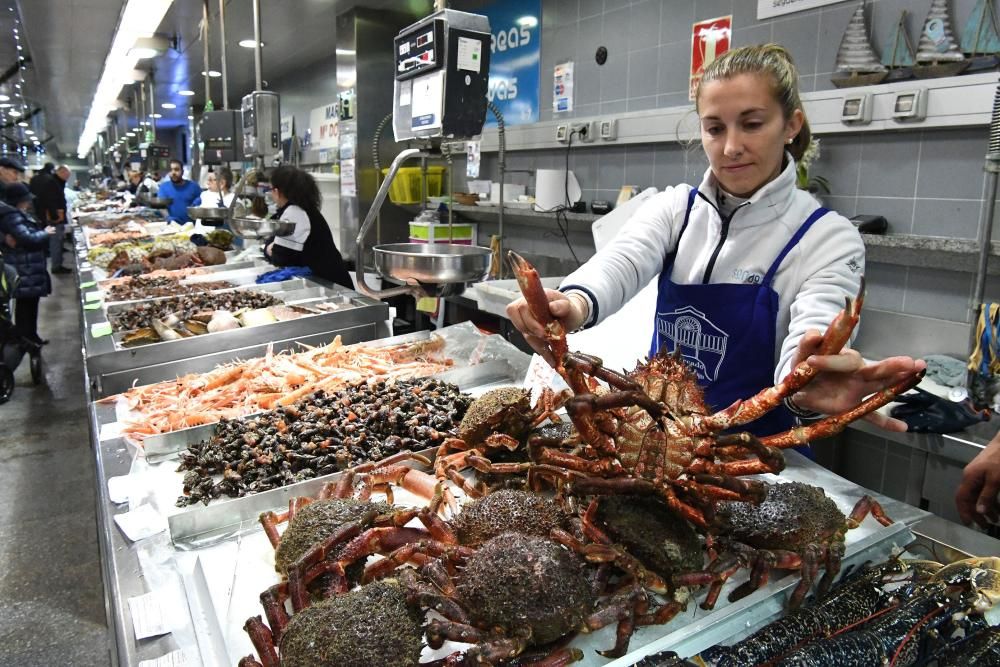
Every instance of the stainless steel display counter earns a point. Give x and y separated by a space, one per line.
213 562
113 367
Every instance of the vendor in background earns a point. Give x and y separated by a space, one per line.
976 498
50 207
746 254
182 191
141 183
311 243
219 183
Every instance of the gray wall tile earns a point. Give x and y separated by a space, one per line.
669 168
560 12
640 165
941 294
833 21
678 99
744 14
583 162
591 8
710 9
641 103
590 34
610 5
798 35
644 25
757 34
898 212
957 218
675 22
617 106
846 206
888 165
954 165
839 163
643 71
614 77
611 169
673 68
614 34
885 285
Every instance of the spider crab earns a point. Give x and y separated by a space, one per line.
653 432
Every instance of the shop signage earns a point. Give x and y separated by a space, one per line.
287 127
768 8
562 87
515 59
324 127
709 40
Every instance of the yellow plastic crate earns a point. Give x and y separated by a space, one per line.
405 188
423 232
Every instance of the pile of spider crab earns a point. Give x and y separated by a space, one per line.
614 518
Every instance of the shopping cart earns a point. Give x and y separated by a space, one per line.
13 346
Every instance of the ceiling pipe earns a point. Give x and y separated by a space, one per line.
152 107
204 51
142 110
225 73
257 66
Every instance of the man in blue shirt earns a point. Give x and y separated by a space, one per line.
182 191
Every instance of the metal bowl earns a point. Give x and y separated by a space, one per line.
207 213
258 228
432 263
156 202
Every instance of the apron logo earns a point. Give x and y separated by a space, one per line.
702 344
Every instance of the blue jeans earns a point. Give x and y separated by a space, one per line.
56 247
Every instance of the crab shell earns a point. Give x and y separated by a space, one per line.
792 516
503 410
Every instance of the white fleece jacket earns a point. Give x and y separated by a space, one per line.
812 282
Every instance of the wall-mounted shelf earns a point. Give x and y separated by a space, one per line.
930 252
957 101
517 216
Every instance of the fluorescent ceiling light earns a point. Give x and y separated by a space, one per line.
4 98
156 115
5 105
185 93
528 21
249 43
29 131
168 105
212 73
14 112
148 47
190 117
346 52
23 123
139 18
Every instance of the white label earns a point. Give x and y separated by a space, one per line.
404 48
472 161
172 659
149 617
541 375
405 93
427 99
768 8
470 56
141 523
348 179
562 87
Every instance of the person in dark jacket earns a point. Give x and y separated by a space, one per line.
24 248
311 242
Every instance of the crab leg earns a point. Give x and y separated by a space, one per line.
262 640
742 412
531 287
836 423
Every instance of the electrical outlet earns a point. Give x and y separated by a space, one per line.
586 131
609 129
562 133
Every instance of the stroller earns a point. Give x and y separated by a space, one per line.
13 346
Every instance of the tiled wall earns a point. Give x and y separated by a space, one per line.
924 182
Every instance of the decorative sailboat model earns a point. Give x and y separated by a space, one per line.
898 56
857 63
980 40
938 53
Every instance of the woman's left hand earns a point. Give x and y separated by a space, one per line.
844 380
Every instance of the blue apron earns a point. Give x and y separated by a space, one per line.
726 333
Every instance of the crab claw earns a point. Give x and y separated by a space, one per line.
538 303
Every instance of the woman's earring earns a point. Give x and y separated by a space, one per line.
789 140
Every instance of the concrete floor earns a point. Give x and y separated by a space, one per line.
51 595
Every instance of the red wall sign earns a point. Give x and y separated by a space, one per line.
709 40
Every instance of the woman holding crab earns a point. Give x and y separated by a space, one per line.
751 269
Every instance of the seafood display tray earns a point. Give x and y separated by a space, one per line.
113 368
285 286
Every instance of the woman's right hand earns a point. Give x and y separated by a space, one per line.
572 311
50 230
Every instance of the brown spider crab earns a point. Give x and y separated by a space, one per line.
653 432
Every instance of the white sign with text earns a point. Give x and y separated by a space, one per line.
769 8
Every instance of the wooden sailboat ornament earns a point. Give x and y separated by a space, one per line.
980 39
898 54
857 63
938 53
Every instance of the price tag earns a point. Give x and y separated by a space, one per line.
141 523
541 375
172 659
93 306
100 329
149 617
96 295
89 283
